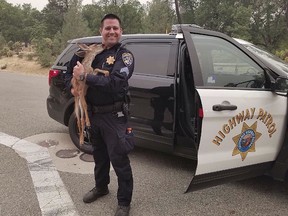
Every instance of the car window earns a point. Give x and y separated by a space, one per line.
150 58
224 65
67 55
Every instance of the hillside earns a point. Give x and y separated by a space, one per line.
22 65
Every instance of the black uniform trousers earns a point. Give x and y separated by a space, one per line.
107 137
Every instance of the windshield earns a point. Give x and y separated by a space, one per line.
267 57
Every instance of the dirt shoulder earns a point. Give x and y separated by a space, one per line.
22 65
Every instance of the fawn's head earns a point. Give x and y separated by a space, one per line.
92 49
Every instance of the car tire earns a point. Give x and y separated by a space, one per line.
74 135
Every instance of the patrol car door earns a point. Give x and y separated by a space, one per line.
152 91
243 121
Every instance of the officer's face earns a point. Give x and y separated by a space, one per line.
110 32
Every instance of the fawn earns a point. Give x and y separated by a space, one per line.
89 53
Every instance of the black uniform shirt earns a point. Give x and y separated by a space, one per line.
105 90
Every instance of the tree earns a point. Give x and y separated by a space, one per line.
160 16
10 21
74 25
228 16
53 15
31 19
2 41
268 25
93 15
187 10
130 12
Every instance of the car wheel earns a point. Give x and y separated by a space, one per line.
74 134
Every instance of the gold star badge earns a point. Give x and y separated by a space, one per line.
245 141
110 60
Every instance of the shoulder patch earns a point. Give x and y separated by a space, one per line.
127 58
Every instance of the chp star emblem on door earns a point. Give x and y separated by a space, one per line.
110 60
245 141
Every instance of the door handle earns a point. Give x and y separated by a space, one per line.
220 107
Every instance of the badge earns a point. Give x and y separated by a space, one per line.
110 60
127 59
245 141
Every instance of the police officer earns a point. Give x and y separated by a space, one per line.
106 98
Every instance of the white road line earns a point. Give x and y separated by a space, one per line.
52 195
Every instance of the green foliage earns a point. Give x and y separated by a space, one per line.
156 22
74 25
5 51
17 46
57 44
10 21
20 55
53 16
2 41
31 19
268 23
283 54
45 58
263 22
10 44
131 12
10 53
227 16
188 8
44 51
30 56
93 15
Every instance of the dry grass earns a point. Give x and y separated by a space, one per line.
22 65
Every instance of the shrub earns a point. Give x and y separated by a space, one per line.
17 46
44 52
45 58
30 56
10 44
283 54
3 67
2 41
20 55
4 51
10 53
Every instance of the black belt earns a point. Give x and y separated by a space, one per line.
116 107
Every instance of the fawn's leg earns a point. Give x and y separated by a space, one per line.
75 86
97 70
85 112
81 135
76 111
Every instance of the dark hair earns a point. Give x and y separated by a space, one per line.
110 16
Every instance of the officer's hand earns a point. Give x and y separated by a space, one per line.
77 70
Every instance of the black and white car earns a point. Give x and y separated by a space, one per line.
198 94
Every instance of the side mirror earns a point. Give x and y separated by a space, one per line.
280 86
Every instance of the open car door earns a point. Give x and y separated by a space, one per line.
243 122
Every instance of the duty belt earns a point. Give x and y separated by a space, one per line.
116 107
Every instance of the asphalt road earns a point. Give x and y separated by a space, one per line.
159 180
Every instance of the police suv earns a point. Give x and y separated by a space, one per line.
198 94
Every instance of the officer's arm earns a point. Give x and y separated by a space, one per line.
117 79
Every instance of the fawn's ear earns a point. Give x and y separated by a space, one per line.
83 48
80 53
